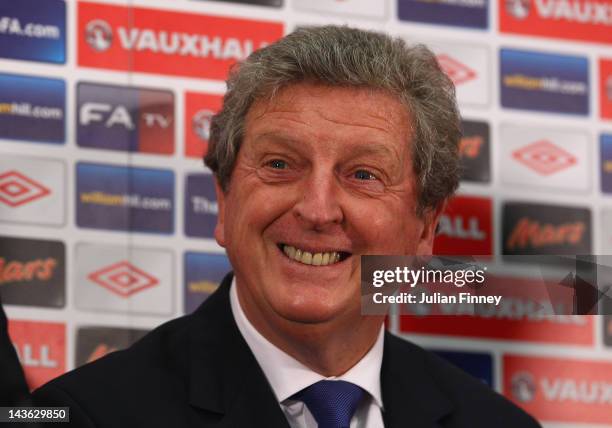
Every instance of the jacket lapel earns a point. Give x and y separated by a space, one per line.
224 376
410 396
225 379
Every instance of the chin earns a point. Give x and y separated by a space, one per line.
314 308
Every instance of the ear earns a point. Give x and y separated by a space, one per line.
220 227
430 224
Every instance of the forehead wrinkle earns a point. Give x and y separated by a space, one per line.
377 118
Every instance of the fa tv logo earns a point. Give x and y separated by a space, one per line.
110 116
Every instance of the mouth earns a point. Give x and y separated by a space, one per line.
312 258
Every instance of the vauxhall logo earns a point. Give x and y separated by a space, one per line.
99 36
35 356
200 123
524 389
582 12
461 227
518 8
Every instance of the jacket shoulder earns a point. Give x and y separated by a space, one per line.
153 370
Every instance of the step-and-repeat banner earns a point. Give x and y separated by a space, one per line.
107 212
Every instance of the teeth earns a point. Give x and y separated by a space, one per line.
317 259
325 259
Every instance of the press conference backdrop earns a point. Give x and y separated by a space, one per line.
107 213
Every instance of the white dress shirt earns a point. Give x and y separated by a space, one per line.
288 376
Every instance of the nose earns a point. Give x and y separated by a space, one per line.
319 206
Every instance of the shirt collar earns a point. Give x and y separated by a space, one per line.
288 376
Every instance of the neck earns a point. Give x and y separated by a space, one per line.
329 348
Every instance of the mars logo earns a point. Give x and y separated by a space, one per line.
469 147
32 272
14 271
523 387
544 157
100 351
518 8
456 71
546 229
474 149
465 227
98 35
16 189
529 232
123 279
167 42
95 342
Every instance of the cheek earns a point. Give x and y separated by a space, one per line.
252 211
388 230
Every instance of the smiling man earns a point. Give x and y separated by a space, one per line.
332 143
319 180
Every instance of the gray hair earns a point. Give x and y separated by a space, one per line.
347 57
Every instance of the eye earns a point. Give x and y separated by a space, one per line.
277 164
362 174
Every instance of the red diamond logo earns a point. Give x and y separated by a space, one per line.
456 71
16 189
123 278
544 157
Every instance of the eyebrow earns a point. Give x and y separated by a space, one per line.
373 149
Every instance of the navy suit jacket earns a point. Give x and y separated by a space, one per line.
13 388
197 371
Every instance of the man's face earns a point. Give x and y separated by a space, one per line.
323 176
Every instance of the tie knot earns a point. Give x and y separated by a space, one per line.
331 402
